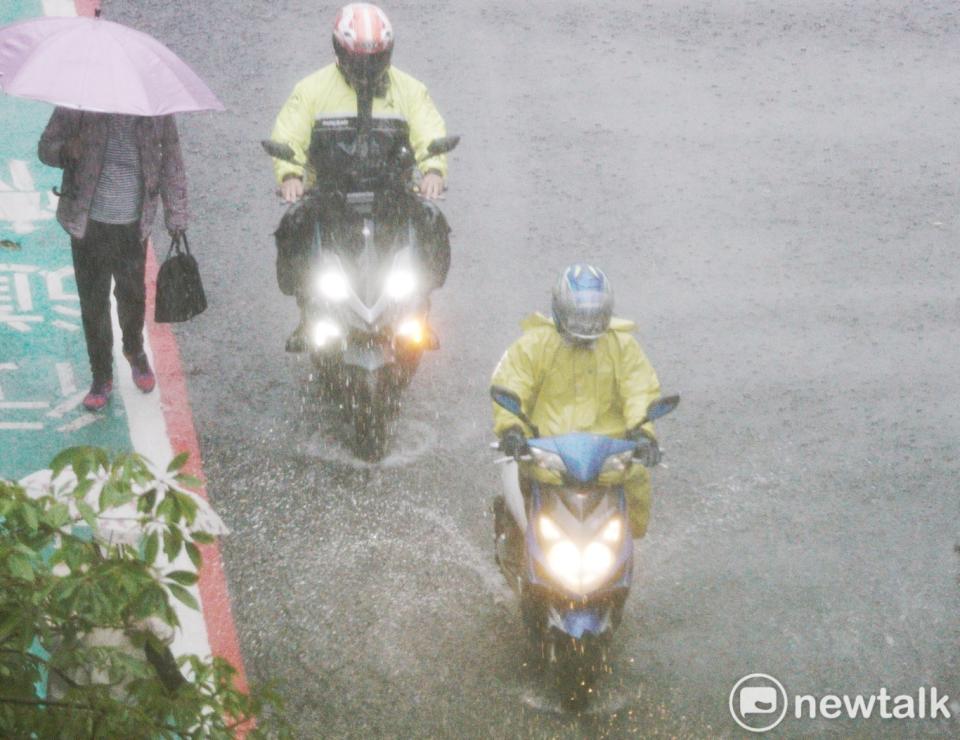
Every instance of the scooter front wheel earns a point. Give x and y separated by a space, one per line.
371 408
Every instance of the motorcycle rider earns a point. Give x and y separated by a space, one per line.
363 42
582 371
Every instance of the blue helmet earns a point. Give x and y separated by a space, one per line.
582 303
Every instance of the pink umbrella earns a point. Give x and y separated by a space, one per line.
94 65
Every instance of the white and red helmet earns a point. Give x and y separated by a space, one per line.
362 29
363 42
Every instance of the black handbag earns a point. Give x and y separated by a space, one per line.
179 290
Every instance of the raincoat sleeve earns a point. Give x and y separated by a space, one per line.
62 125
426 124
638 383
517 371
173 178
294 126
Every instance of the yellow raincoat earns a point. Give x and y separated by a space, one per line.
601 389
326 95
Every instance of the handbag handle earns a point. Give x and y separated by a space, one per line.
175 243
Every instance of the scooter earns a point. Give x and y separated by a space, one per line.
367 288
566 549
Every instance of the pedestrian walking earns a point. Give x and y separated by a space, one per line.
117 167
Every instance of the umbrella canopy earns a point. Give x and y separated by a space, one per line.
95 65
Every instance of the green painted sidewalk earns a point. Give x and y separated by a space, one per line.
44 372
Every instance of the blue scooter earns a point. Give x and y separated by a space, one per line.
566 549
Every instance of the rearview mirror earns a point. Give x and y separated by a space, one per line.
442 145
506 398
662 406
279 151
509 400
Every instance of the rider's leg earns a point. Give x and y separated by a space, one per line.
434 243
636 489
297 341
299 244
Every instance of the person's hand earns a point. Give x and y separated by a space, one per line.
648 450
431 186
72 149
514 443
291 190
176 232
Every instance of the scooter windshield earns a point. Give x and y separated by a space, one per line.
583 454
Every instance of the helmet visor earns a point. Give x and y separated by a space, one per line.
590 318
366 71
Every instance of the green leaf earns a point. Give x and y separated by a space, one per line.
204 538
167 509
148 500
178 462
20 567
70 456
183 577
151 546
88 514
9 625
194 552
189 481
57 515
183 595
172 541
113 495
188 507
30 517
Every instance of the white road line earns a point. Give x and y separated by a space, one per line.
20 426
24 405
65 325
67 405
22 285
68 383
80 422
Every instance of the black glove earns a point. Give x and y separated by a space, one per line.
648 451
514 443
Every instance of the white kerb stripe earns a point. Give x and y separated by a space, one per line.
148 433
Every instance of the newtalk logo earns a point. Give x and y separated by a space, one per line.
759 703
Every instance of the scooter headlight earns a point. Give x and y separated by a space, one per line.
548 460
580 570
617 463
333 285
400 283
324 331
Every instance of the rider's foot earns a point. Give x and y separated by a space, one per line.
297 341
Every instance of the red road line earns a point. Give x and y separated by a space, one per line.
214 597
172 386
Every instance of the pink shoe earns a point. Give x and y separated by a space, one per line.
142 374
98 396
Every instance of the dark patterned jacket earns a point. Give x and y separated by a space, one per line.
161 165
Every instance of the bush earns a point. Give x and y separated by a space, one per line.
91 558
